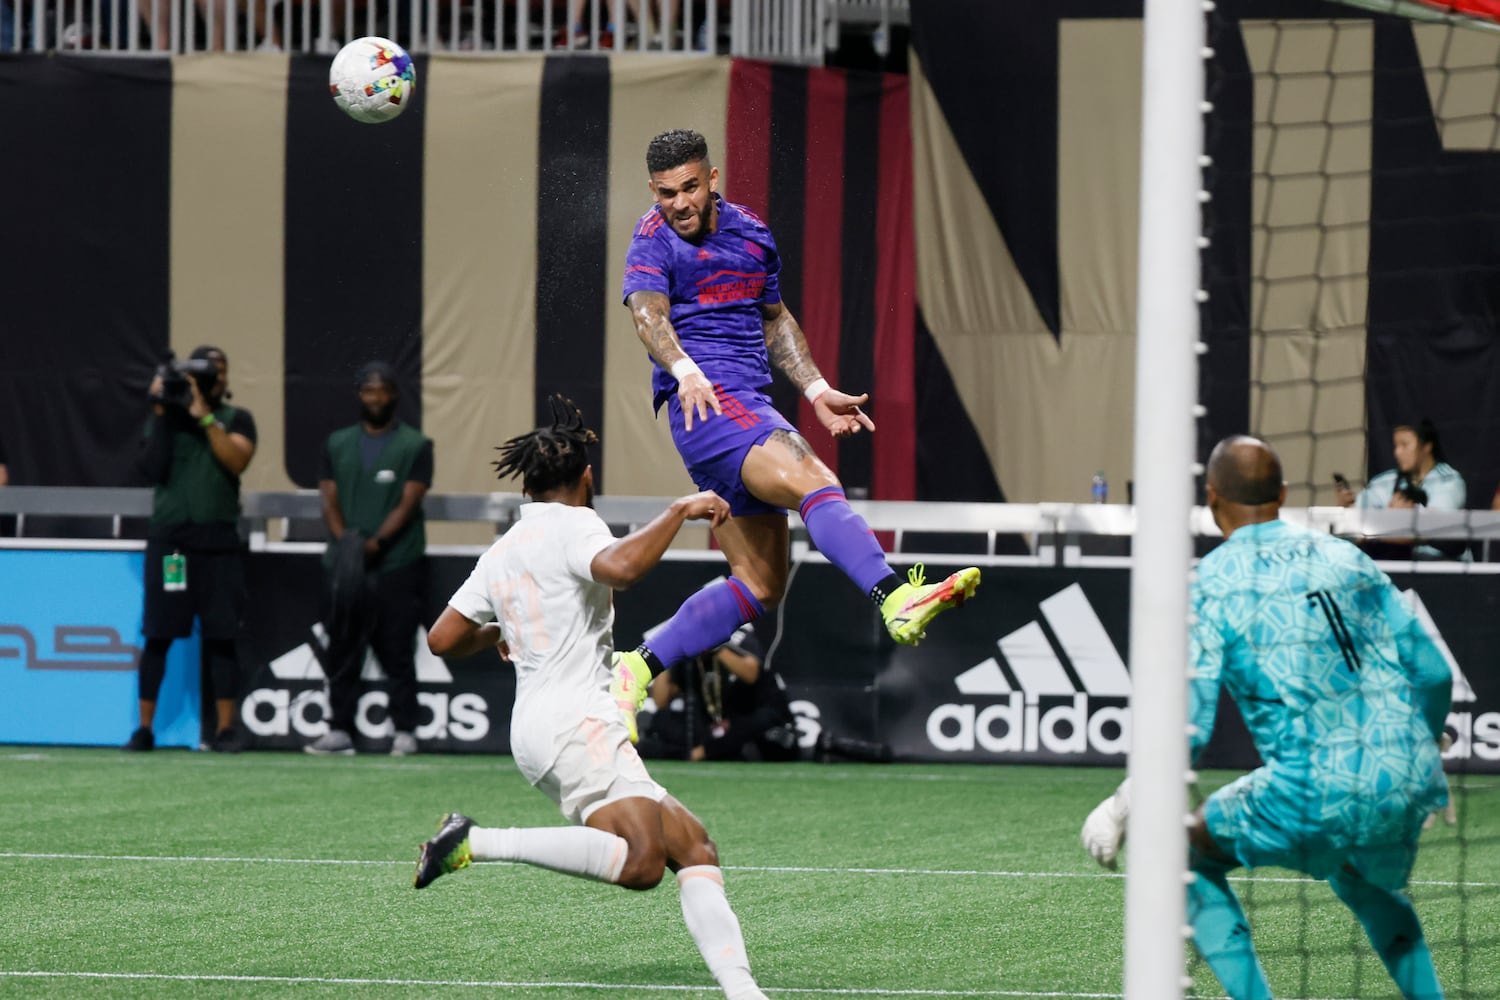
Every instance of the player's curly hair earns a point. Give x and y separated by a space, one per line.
548 457
675 147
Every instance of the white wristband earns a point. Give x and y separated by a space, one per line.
683 367
820 385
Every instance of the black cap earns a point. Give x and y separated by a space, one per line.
376 370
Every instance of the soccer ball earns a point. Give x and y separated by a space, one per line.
372 79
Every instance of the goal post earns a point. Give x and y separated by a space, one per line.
1167 332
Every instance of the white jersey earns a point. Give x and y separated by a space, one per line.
558 621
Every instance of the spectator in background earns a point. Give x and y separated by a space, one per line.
580 17
725 704
195 449
4 469
375 474
1421 478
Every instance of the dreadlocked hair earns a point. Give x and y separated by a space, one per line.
548 457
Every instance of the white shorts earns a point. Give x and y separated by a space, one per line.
597 766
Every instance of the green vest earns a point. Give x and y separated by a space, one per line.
366 496
198 489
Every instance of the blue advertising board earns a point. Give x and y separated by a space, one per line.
70 639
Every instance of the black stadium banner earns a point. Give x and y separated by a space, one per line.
1033 672
960 240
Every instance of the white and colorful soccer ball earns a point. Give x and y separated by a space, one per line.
372 79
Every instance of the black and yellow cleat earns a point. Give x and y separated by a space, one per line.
447 851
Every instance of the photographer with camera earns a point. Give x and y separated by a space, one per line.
724 704
1421 478
194 450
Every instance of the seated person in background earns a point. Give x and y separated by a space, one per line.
1421 478
724 704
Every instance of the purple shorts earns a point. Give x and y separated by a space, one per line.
715 449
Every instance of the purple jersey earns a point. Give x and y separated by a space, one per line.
716 288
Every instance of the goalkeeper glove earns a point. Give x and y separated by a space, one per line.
1104 829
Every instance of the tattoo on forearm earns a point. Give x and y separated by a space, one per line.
653 324
788 350
794 443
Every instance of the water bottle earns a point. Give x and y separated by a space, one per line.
1100 488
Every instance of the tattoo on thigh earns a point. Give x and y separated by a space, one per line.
794 443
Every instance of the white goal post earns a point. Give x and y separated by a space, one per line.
1167 337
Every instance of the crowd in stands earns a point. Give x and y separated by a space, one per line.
274 25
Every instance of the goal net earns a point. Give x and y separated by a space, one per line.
1352 265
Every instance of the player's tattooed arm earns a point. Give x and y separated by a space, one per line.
652 312
787 346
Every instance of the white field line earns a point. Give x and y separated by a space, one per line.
508 984
772 869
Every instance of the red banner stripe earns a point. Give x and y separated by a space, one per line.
893 476
747 160
821 309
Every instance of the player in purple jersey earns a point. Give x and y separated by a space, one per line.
702 283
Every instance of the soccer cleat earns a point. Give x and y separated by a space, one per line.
447 851
140 741
404 745
913 604
629 675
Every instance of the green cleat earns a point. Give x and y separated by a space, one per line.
447 851
628 677
913 605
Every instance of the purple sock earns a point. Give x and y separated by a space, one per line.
704 621
844 537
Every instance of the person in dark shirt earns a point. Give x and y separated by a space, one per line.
375 474
195 455
725 704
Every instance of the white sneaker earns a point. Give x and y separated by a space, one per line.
335 741
404 745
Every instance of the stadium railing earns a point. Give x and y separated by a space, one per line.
1053 533
786 30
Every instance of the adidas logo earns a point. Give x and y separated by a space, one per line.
1462 691
1478 732
298 704
1055 677
1044 705
302 662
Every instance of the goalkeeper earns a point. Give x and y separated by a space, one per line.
1346 698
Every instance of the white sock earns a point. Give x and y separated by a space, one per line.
716 930
572 850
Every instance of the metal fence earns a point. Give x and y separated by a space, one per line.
787 30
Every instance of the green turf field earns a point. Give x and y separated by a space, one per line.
179 874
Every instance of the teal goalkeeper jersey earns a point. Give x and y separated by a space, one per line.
1343 691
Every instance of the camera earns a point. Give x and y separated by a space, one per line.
1411 491
174 376
1415 494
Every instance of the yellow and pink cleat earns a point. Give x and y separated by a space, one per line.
913 604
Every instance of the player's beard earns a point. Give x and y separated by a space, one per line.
702 228
378 416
